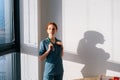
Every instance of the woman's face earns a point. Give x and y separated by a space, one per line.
51 30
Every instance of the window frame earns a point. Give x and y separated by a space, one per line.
13 46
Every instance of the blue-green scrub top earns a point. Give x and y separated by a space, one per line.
53 62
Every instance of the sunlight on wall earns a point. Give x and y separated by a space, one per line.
91 29
29 67
29 39
72 70
112 73
30 22
101 16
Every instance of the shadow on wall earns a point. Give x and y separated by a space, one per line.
94 58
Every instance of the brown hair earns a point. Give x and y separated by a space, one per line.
51 23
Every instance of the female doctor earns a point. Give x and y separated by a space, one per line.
51 50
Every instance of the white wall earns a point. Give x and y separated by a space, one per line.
90 36
29 67
54 14
90 31
29 40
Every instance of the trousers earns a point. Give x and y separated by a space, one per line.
53 77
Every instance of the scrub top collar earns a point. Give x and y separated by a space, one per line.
50 40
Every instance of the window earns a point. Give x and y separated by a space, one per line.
9 40
30 22
9 26
7 37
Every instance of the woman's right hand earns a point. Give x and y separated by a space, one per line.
50 47
43 56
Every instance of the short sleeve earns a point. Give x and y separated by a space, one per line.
42 48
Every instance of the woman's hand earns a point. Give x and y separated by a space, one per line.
50 47
43 56
59 43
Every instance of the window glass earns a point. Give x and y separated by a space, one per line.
5 71
6 21
9 58
8 70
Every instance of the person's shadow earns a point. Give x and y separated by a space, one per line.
94 58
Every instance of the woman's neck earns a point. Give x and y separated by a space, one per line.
52 39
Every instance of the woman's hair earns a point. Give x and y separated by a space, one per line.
51 23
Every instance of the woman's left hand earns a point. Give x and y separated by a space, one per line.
59 43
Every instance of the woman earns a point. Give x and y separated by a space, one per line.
51 50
